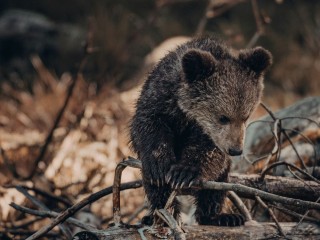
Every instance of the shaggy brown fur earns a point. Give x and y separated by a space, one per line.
191 116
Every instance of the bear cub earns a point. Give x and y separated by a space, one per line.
190 117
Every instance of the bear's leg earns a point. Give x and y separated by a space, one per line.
157 198
209 204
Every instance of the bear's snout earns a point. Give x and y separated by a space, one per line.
234 152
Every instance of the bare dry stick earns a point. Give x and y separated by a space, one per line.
260 28
303 118
299 178
117 183
294 149
211 12
236 200
303 217
263 174
287 187
87 50
166 208
268 111
265 206
248 191
276 147
308 140
285 134
72 210
23 224
48 195
257 17
278 144
172 223
64 229
238 188
52 214
296 215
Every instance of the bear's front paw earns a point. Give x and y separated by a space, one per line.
231 220
155 173
181 176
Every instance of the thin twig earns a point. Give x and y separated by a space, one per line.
236 200
294 149
116 186
52 214
172 223
305 138
265 206
278 144
258 121
291 165
299 178
296 215
253 40
276 147
170 200
268 111
76 207
303 217
23 224
304 118
54 235
257 17
87 50
48 195
210 12
259 24
285 134
238 188
64 229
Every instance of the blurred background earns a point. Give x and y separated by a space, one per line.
42 45
124 33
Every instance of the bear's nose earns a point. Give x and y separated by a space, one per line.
234 152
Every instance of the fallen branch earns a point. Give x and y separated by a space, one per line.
240 205
300 116
52 214
288 187
238 188
64 229
244 185
265 206
72 210
248 232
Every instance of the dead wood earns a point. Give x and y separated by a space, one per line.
300 116
273 137
270 186
251 231
288 187
237 184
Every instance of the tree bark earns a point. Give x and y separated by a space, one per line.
247 232
287 187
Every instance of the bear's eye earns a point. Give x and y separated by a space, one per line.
224 120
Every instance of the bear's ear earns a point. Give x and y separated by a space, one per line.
257 59
197 65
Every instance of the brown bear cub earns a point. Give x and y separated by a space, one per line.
190 117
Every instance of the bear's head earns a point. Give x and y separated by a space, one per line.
220 94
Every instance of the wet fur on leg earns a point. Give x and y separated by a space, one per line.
209 204
157 198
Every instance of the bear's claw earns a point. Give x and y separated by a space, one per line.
181 176
231 220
